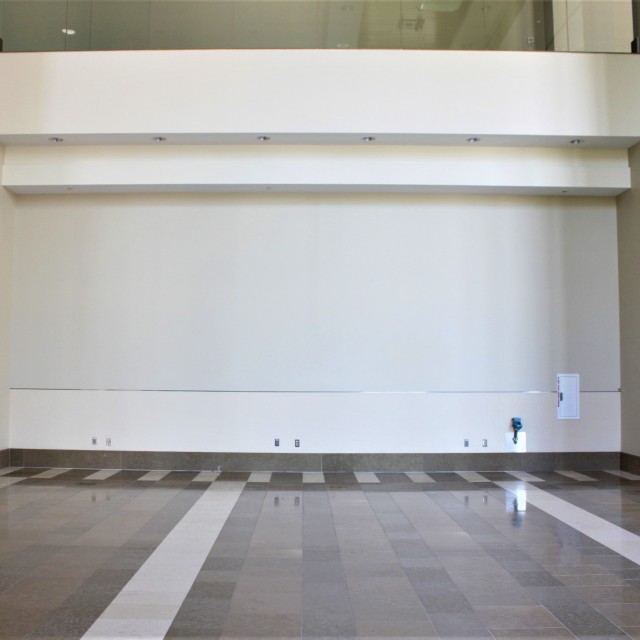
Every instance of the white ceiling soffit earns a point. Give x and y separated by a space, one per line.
367 138
584 172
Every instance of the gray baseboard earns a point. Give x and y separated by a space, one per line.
630 463
4 458
326 462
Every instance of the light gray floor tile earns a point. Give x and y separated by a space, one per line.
103 474
50 473
366 477
419 477
206 476
3 472
472 476
154 476
525 476
575 475
624 474
260 476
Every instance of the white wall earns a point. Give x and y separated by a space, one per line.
323 422
6 253
481 298
126 305
629 248
108 96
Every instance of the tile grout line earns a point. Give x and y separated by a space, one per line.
149 602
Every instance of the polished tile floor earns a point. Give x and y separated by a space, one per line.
131 554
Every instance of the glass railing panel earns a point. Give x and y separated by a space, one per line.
525 25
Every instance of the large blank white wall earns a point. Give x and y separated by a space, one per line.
471 299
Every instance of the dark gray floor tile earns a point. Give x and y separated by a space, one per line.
517 617
533 634
394 478
621 614
286 478
340 479
262 626
582 619
536 579
442 599
458 625
328 623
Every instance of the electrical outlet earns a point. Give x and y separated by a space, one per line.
485 442
297 443
277 442
94 441
466 442
108 442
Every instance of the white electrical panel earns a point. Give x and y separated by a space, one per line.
568 400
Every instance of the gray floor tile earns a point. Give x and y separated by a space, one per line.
384 560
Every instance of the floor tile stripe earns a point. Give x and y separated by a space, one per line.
612 536
366 477
147 605
575 475
419 477
472 476
6 470
206 476
154 476
5 482
103 474
624 474
50 473
260 476
525 476
313 477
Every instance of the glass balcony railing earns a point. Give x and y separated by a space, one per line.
516 25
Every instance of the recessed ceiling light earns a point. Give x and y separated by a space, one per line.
368 139
264 138
159 139
577 141
69 32
55 139
473 140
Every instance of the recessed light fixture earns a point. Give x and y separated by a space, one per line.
473 140
368 139
69 32
263 138
55 139
159 139
577 141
